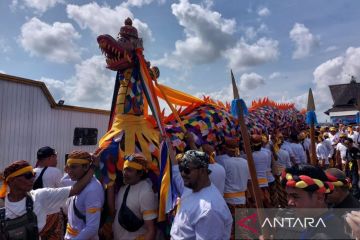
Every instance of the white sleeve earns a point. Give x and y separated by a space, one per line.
178 181
56 176
52 199
212 226
93 202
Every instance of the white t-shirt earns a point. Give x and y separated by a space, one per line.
334 138
262 161
299 153
217 176
237 176
51 177
202 215
283 161
322 152
342 149
329 147
269 172
46 201
143 203
287 147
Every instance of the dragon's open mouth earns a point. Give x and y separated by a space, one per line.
117 56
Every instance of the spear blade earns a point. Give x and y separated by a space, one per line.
310 103
235 89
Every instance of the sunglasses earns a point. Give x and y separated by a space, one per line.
129 158
186 170
28 175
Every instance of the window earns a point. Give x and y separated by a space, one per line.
85 136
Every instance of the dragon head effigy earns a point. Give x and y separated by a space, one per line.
120 53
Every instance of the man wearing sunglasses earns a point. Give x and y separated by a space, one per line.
202 212
30 207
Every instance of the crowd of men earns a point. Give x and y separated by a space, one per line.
213 183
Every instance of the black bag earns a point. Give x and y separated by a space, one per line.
39 182
127 219
77 212
20 228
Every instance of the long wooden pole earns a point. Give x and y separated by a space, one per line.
250 160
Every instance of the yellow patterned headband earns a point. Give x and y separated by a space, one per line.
77 161
134 165
19 172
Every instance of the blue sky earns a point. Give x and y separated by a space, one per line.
276 48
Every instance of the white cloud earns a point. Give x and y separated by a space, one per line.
93 81
263 12
275 75
3 72
105 20
140 3
4 46
225 94
54 42
207 35
57 88
252 32
245 55
334 71
40 6
304 41
331 48
91 86
250 81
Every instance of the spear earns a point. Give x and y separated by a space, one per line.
245 135
311 121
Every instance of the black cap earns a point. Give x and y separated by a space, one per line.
45 152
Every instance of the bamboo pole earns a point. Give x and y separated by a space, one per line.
250 160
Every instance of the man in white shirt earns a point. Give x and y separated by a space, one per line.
297 148
22 200
48 176
322 152
217 176
354 136
202 213
329 148
341 152
282 161
237 178
262 161
138 197
333 136
287 147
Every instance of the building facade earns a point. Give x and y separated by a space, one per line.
346 99
30 118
